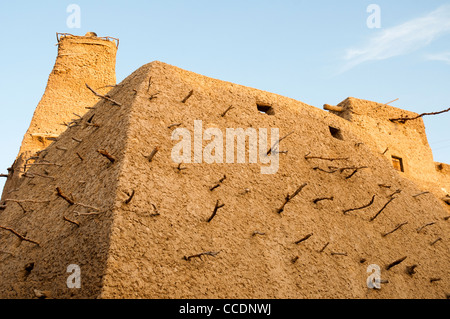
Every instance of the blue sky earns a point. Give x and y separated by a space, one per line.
314 51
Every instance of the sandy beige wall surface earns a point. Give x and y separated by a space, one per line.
147 252
151 217
80 61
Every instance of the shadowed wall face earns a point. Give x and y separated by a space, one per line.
81 60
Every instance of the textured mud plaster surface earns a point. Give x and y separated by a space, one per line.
80 60
406 141
146 255
136 247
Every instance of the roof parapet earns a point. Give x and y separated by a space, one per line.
59 36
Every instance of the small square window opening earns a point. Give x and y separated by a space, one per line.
397 162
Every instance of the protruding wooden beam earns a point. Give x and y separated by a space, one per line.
289 197
105 97
404 119
303 239
188 96
153 153
215 210
19 235
63 196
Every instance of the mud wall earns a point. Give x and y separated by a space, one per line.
443 173
80 60
41 232
149 221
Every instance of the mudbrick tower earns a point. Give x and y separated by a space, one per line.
81 60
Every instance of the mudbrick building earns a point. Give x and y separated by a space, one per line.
81 60
355 187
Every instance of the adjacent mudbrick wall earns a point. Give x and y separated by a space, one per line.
406 141
404 144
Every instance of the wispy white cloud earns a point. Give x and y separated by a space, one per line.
444 57
401 39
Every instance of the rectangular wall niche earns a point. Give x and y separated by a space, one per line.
398 163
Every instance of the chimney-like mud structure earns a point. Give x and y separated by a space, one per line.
81 60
